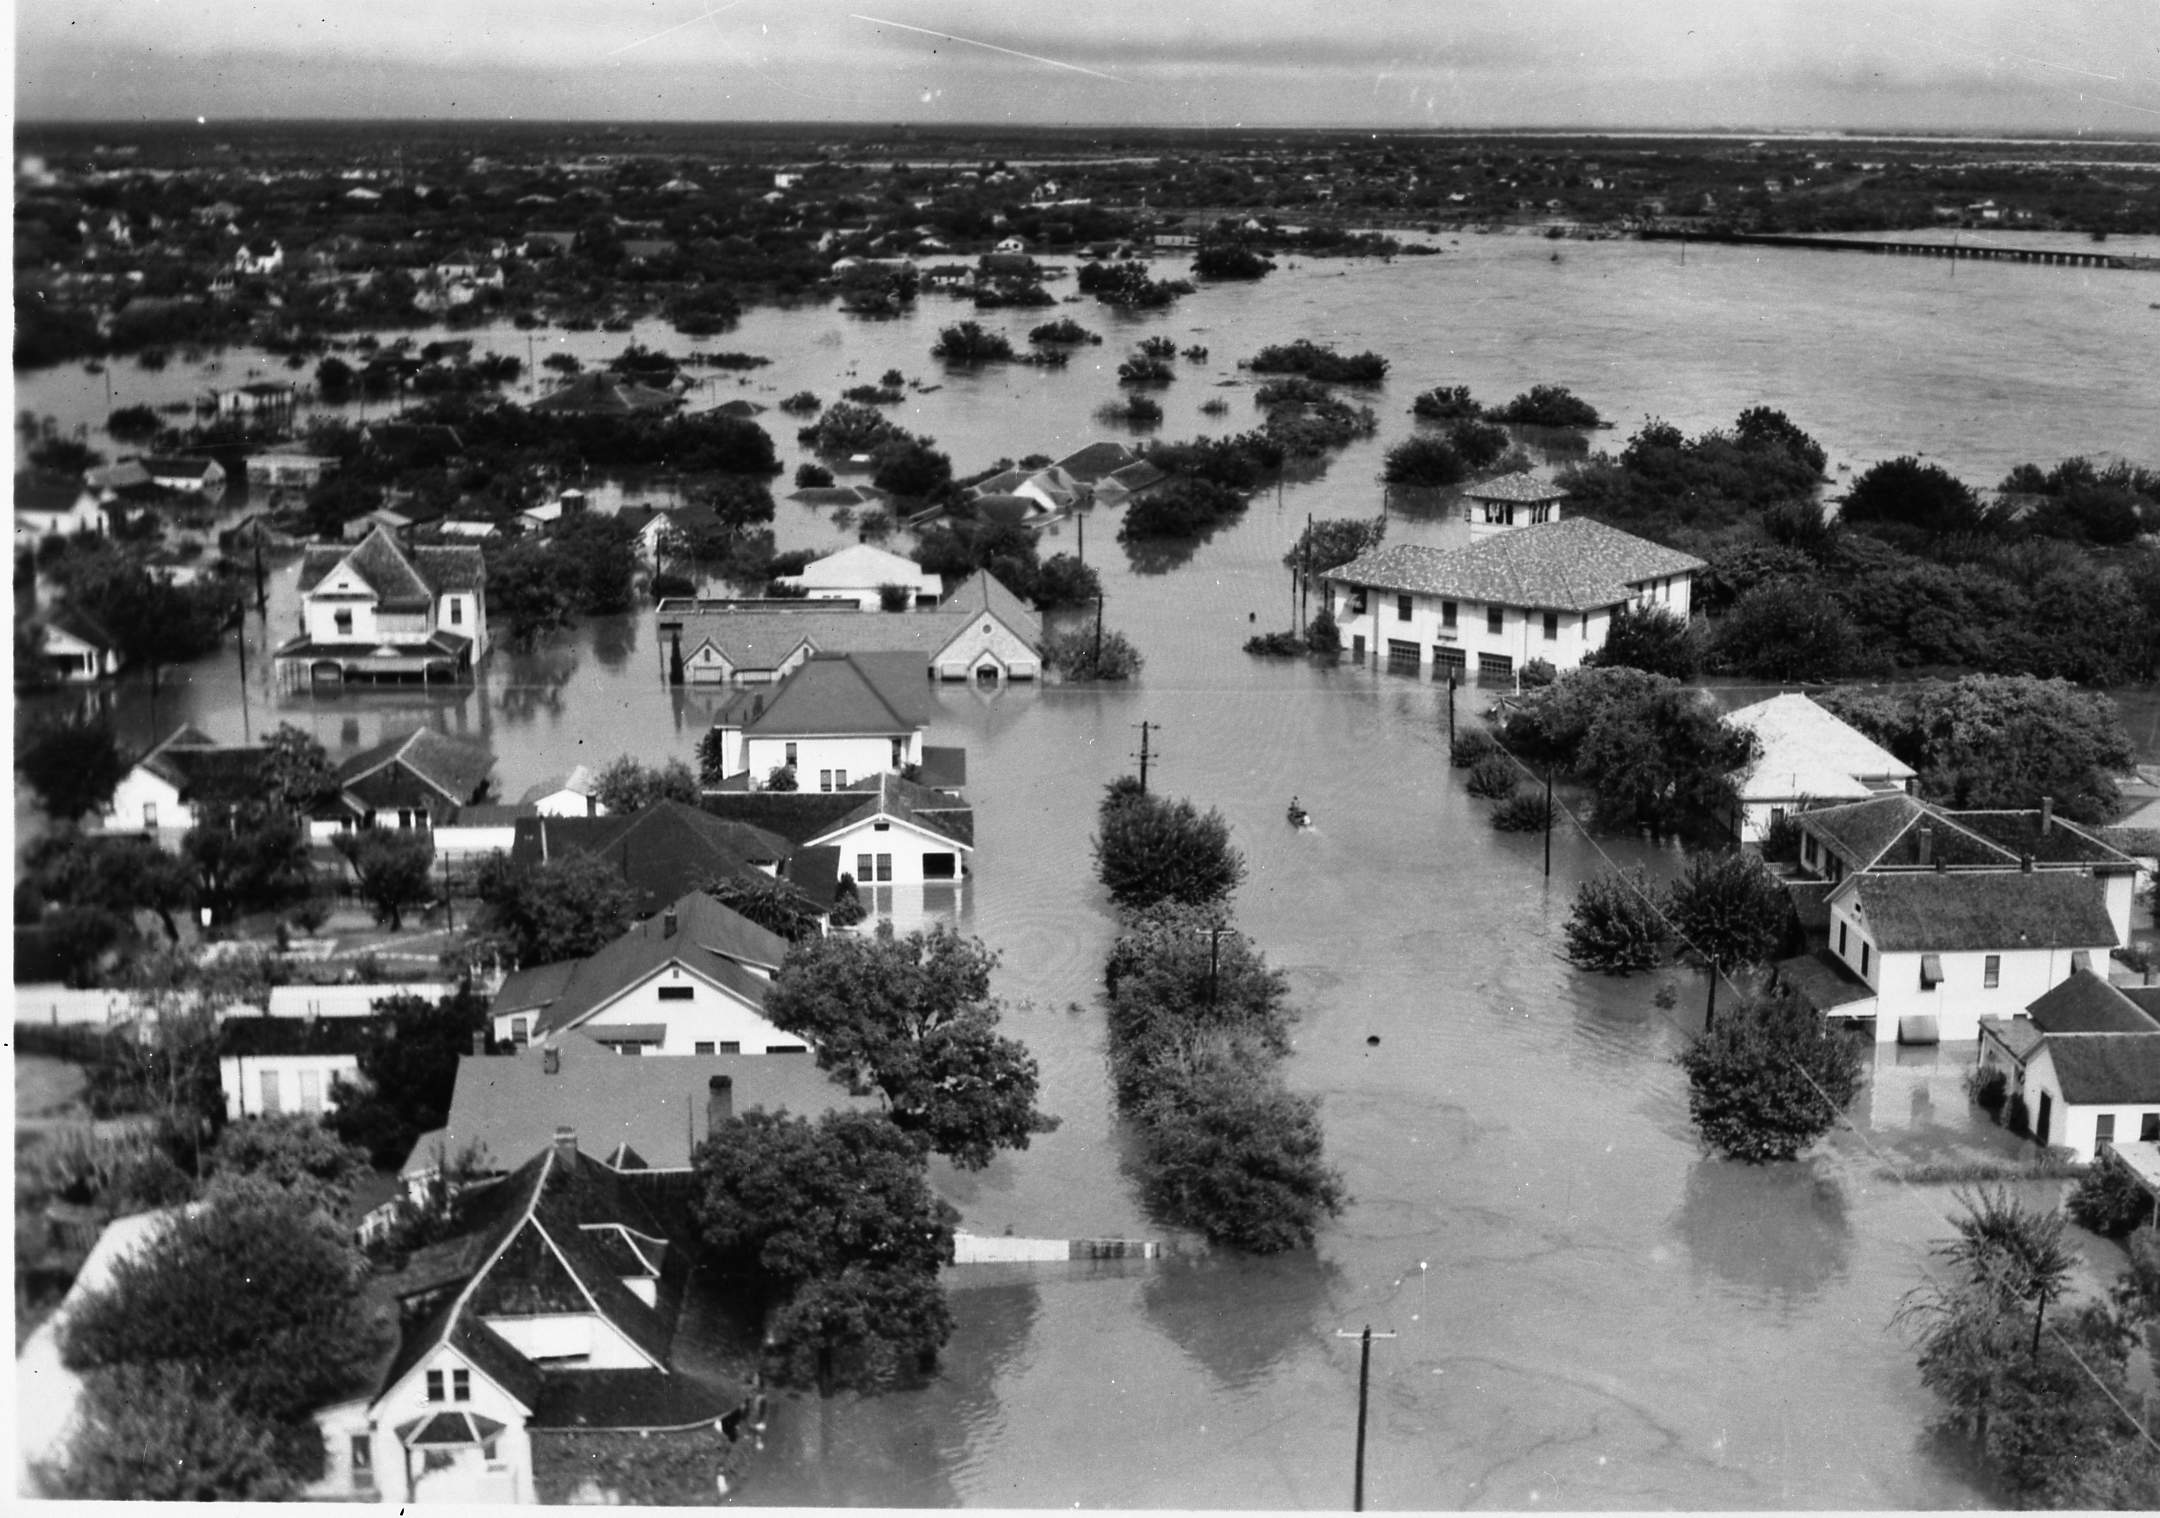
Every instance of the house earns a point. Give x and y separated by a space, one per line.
263 402
1925 954
419 779
2085 1059
1049 492
1090 466
981 633
598 393
45 505
1805 757
861 573
1896 833
164 790
902 834
288 469
690 979
633 1115
665 850
1540 592
568 795
381 614
77 647
1511 501
1127 483
192 476
836 716
552 1314
268 1065
258 257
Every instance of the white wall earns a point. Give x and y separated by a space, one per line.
984 636
709 1015
241 1077
1521 637
349 1001
1962 997
408 1400
859 757
2072 1127
905 847
139 788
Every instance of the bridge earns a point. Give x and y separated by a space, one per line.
1991 252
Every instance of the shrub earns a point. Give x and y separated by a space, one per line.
673 585
1149 849
2109 1200
1277 645
1768 1079
1523 812
1143 370
1471 745
811 476
1423 460
1076 654
1447 403
1651 638
1990 1087
1324 637
1781 840
1537 674
1615 926
1493 777
801 403
1547 406
1324 364
1063 330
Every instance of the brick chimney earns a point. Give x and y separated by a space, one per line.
566 1146
668 923
1927 843
719 1103
550 1060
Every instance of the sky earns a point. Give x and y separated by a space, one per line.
2054 66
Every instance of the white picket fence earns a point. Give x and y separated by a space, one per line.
994 1249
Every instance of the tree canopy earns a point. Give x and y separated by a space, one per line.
565 909
913 1017
1150 849
391 867
626 785
408 1074
1662 758
1769 1078
73 763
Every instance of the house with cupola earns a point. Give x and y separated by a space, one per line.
379 613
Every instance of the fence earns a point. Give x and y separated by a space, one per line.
990 1249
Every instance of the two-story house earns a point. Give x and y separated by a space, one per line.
2085 1059
838 717
379 613
1539 592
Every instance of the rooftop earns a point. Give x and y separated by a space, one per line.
455 768
1934 912
1517 487
1572 565
1808 753
2107 1067
2086 1003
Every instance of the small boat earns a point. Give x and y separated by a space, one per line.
1299 817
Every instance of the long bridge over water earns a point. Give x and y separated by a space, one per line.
2071 257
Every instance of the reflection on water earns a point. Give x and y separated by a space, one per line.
1241 1317
1775 1233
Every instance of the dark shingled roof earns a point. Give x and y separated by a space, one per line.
662 852
2107 1067
1884 831
255 1037
1572 565
599 393
904 801
2061 842
1823 981
1927 912
834 694
2085 1003
205 771
403 581
632 1399
455 768
1091 463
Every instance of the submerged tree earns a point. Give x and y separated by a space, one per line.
1768 1079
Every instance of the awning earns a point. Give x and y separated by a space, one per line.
447 1431
1931 970
630 1033
1919 1028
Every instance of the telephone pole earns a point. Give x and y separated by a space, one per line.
1098 636
1143 757
1548 822
1364 1382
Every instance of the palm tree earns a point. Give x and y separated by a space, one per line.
2012 1251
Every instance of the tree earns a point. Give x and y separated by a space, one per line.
913 1017
862 1326
1553 723
712 757
1076 653
1764 427
1906 492
2016 1251
1731 911
2006 741
117 873
564 909
1787 629
1235 1155
1615 925
1149 849
598 555
1649 638
393 868
246 858
1065 581
911 467
256 1297
152 1433
1333 542
296 772
293 1152
73 763
528 587
773 905
408 1074
625 786
1769 1079
1663 758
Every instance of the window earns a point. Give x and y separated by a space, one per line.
434 1386
270 1102
2149 1128
149 814
704 1046
461 1386
839 780
1402 608
884 868
824 780
1495 619
899 752
730 1046
1552 625
1931 972
945 866
1447 613
880 827
791 756
520 1032
1357 601
864 864
457 611
2103 1129
1777 815
678 993
1991 973
1494 667
1863 959
363 1460
311 1091
1841 951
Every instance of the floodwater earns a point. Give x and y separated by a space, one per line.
1587 1313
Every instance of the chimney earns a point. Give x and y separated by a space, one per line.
667 923
565 1146
2025 863
551 1060
719 1103
479 1042
1927 843
2047 815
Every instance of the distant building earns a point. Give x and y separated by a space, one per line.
860 573
380 614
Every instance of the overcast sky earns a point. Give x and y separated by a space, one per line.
2088 66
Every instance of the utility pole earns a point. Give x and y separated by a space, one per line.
1305 574
1098 646
247 734
1143 757
1451 712
1364 1381
1548 822
262 582
1080 520
1709 1016
1214 960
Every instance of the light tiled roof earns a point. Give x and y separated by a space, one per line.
1515 487
1572 565
1999 910
1807 752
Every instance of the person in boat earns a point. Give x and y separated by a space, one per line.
1297 811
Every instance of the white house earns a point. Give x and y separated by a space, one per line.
690 980
1926 954
287 469
2085 1058
378 613
268 1065
1541 592
903 834
76 647
189 476
1049 491
1806 758
568 795
163 790
860 573
837 717
45 505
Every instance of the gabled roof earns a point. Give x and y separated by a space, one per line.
1927 911
2050 840
903 801
599 392
578 782
662 852
401 580
47 495
852 694
860 564
983 591
1807 752
2118 1068
203 770
762 636
179 468
82 626
657 1108
709 940
457 769
1096 460
1885 832
1572 565
2085 1003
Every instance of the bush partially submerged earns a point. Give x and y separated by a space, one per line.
1615 926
